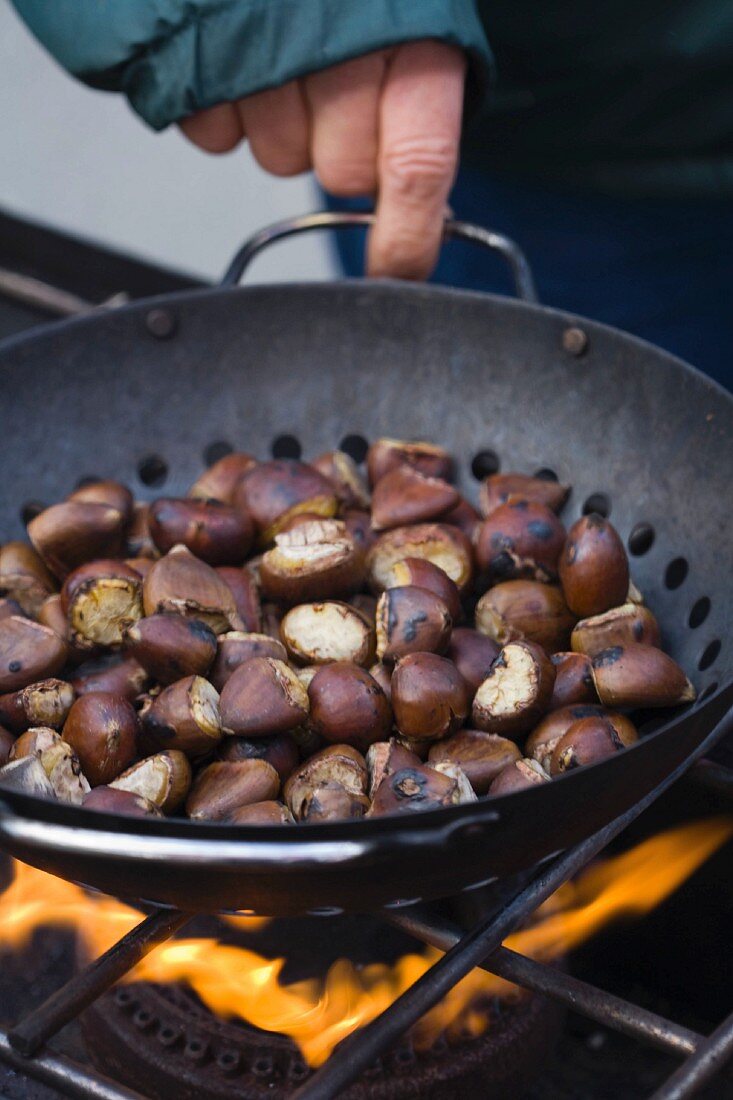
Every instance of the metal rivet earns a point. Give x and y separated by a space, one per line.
160 323
575 341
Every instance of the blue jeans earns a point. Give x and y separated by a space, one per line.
659 268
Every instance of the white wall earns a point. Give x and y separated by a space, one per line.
80 160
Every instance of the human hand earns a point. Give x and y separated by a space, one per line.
387 123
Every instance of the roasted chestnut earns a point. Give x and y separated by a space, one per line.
59 761
237 647
110 800
170 647
164 779
101 599
480 755
26 776
586 742
339 764
272 492
404 495
314 561
385 455
224 786
216 533
425 574
261 813
45 703
526 610
347 706
138 541
28 652
516 692
120 676
573 680
445 546
542 740
243 586
358 526
430 698
415 788
497 488
24 577
473 654
222 478
112 493
639 676
261 697
332 802
102 729
383 676
632 622
593 567
280 750
411 620
465 517
183 584
345 476
520 539
68 535
385 758
316 633
518 777
184 716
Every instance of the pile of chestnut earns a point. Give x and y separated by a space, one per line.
287 643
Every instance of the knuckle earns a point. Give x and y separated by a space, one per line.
421 166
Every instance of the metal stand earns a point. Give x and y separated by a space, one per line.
481 946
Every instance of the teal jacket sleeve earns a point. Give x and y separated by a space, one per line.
173 57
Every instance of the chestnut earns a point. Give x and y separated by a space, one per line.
473 654
365 604
112 493
119 676
385 758
170 647
28 652
526 610
216 533
184 716
631 622
465 517
272 616
280 750
340 764
26 776
520 539
272 492
464 790
138 540
480 755
573 680
425 574
316 633
164 779
430 698
59 761
404 495
181 583
345 476
222 478
497 488
383 676
45 703
516 692
411 620
68 535
237 647
110 800
385 455
348 707
222 787
314 561
261 813
102 730
639 676
593 567
413 789
307 740
518 777
542 740
261 697
586 742
445 546
6 743
358 526
243 586
332 802
24 577
101 598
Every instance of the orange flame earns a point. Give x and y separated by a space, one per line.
317 1014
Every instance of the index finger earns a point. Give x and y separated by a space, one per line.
420 129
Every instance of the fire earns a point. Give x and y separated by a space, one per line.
317 1014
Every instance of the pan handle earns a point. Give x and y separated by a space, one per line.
453 230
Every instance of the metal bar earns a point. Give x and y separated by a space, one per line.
708 1060
605 1008
65 1075
30 1034
360 1049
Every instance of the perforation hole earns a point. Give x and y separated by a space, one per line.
153 471
356 446
30 510
699 613
216 450
485 463
676 573
709 654
641 539
286 446
545 474
598 503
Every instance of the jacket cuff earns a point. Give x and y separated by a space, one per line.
233 49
